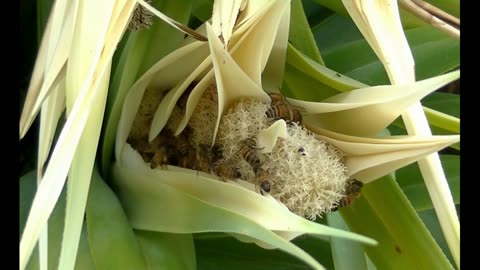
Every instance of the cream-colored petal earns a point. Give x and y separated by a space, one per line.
163 75
370 158
266 211
251 52
366 111
232 82
267 138
194 98
167 104
50 62
224 16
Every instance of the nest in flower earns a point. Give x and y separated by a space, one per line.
304 173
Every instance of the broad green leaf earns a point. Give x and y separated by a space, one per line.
112 241
384 213
450 6
307 80
300 34
443 102
346 255
356 60
330 27
410 180
43 11
55 225
235 255
315 13
430 219
167 250
202 9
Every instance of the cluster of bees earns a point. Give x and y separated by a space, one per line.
167 149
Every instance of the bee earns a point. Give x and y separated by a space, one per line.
352 192
285 112
204 158
161 157
226 170
262 179
280 109
247 152
184 152
277 99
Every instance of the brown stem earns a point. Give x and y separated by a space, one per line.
429 18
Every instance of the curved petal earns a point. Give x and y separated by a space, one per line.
141 186
366 111
163 75
370 158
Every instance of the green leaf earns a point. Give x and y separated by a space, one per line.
28 186
443 102
43 11
434 52
202 9
306 79
315 13
235 255
384 213
167 250
411 181
112 240
429 217
300 34
450 6
342 249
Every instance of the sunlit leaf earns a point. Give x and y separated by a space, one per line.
167 250
233 254
112 241
410 180
384 213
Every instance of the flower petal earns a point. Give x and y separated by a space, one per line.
163 75
370 158
366 111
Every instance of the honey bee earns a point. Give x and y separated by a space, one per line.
204 158
262 179
226 170
280 109
186 153
285 112
277 99
352 192
161 157
247 152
